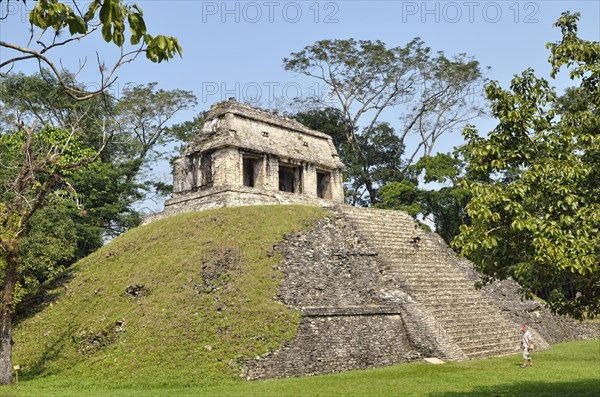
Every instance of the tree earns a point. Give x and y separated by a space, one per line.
380 146
108 189
444 207
112 17
37 158
365 79
49 247
142 124
401 196
537 219
39 99
43 157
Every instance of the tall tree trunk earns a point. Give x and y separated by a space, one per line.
372 191
12 259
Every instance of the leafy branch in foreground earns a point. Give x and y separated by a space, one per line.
49 19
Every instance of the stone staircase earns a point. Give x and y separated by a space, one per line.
422 265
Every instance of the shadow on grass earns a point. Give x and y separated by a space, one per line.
49 293
584 387
39 368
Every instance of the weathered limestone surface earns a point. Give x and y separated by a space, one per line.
332 277
333 343
349 319
421 264
249 156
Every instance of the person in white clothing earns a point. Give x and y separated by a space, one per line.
526 346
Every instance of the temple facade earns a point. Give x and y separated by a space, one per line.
249 156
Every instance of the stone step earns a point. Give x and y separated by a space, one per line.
423 258
433 286
488 352
470 321
443 309
432 270
406 248
428 278
423 262
473 323
383 236
433 294
426 294
391 226
380 228
460 311
444 300
370 212
386 222
366 215
434 276
464 331
409 266
431 289
466 341
465 313
485 342
422 266
468 345
374 218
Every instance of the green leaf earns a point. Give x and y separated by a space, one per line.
106 12
76 25
107 33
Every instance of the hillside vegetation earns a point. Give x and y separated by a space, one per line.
189 298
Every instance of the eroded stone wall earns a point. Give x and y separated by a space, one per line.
327 343
330 266
332 277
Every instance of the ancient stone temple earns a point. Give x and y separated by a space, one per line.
248 156
372 288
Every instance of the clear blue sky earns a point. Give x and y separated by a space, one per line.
235 48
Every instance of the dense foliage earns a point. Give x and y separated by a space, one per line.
537 218
40 152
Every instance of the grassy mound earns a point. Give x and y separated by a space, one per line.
186 298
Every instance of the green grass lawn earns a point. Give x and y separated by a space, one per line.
568 369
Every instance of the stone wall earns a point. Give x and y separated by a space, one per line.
328 266
227 168
552 327
232 196
328 341
348 321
